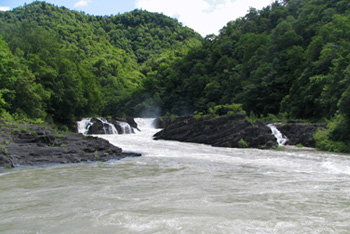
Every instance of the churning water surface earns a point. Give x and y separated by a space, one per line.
181 188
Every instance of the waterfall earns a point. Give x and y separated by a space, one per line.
84 125
103 126
107 126
281 140
125 127
145 123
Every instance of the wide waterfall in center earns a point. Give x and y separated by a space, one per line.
109 128
181 188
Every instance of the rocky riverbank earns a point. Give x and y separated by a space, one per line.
39 144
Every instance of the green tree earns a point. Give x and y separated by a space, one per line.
19 93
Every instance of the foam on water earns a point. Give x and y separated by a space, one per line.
337 168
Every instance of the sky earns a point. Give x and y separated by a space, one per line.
204 16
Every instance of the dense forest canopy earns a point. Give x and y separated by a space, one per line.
79 65
291 58
286 58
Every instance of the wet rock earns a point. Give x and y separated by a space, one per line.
105 125
131 122
225 131
36 145
96 127
299 132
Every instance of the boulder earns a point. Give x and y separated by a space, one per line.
97 127
122 127
131 122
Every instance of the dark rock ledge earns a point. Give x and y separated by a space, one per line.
299 132
233 131
30 144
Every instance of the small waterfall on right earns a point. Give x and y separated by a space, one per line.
281 139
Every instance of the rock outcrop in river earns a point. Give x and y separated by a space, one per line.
29 144
111 125
299 132
225 131
235 131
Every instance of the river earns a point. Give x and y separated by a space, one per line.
181 188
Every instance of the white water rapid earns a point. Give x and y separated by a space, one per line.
84 125
181 188
281 140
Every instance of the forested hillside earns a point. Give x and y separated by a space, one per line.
60 64
291 58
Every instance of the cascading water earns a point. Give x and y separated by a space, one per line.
84 125
125 127
281 140
145 123
107 126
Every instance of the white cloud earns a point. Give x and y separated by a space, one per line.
204 16
4 8
82 3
